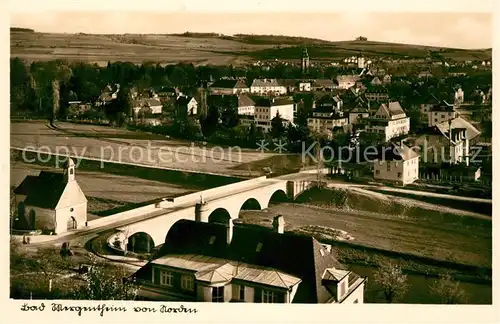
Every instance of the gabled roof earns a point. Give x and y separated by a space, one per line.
443 106
47 190
392 109
296 256
245 101
266 83
396 152
153 102
458 123
323 83
228 84
184 100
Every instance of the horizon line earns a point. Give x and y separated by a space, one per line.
251 34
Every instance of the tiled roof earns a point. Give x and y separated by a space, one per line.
459 123
228 84
183 100
266 83
44 190
325 83
266 102
443 106
153 102
393 108
396 152
297 256
245 101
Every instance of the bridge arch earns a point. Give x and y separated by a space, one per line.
278 196
140 242
220 216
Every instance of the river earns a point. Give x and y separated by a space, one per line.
419 289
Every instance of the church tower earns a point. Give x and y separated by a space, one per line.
69 170
305 61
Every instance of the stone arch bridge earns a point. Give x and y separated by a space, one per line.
213 205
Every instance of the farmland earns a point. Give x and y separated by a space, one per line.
208 48
120 145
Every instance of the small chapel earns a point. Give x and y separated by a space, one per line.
52 202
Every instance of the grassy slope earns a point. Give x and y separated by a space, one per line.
388 225
206 48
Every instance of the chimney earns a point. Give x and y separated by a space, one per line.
229 231
279 224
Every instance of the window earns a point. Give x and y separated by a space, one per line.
166 278
377 172
218 294
242 292
399 174
356 301
187 282
71 171
388 166
268 296
435 119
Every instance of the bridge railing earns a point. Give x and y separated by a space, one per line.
207 194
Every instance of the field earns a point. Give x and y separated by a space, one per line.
208 49
391 225
137 147
108 193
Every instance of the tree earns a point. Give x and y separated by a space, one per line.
277 127
448 290
105 282
392 281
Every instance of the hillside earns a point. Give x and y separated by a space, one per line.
208 48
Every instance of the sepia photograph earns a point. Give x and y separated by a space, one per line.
183 157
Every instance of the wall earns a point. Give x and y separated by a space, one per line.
357 294
63 214
391 175
44 218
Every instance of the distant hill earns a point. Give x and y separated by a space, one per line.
209 48
19 29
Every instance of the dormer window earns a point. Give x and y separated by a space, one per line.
259 247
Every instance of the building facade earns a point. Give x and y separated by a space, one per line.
397 163
390 120
51 202
210 262
267 87
441 113
267 109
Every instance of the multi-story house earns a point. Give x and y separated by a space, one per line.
387 79
358 113
267 87
396 163
459 95
376 93
447 142
211 262
441 113
347 81
325 119
390 121
246 106
268 108
229 87
324 85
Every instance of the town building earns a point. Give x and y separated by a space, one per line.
347 81
229 87
325 119
396 163
151 105
186 106
52 202
246 106
390 121
267 87
376 93
305 61
459 95
211 262
359 113
447 142
441 112
324 85
268 108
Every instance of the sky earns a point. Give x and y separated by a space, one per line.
457 23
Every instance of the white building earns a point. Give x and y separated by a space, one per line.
390 120
441 113
347 81
267 87
304 86
325 119
396 163
246 106
266 109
